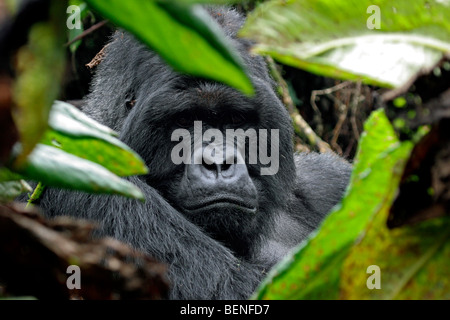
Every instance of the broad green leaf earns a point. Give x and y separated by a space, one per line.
66 110
77 3
12 189
333 38
56 168
312 272
184 35
8 175
201 1
413 261
77 134
40 65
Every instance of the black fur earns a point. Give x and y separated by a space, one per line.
290 204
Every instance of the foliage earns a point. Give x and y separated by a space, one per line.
59 146
187 24
332 38
35 89
332 263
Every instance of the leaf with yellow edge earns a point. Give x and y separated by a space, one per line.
313 271
413 261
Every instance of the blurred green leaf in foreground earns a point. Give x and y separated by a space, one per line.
81 154
338 38
183 34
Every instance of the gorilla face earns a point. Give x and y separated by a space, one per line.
220 212
225 193
232 197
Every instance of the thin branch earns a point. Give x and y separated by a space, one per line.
328 92
301 127
98 58
343 110
357 98
86 32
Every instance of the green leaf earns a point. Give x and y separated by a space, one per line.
18 298
201 1
40 65
12 189
413 261
77 134
62 110
313 271
8 175
184 35
332 37
56 168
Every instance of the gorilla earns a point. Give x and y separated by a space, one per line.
219 224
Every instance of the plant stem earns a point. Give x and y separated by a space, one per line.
301 127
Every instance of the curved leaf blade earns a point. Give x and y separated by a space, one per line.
413 261
313 270
332 38
56 168
77 134
184 35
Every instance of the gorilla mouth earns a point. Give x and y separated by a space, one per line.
221 202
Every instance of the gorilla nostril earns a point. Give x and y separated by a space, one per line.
216 167
225 166
210 167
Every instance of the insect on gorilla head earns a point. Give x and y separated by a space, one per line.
232 202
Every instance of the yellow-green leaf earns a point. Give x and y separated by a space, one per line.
381 43
313 271
77 134
40 65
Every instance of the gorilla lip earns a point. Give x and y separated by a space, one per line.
226 202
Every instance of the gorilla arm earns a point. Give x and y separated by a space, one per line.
320 184
199 267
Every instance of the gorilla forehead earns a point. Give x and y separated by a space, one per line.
209 102
162 93
146 65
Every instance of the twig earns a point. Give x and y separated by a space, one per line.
87 31
354 107
328 91
349 148
301 127
343 109
317 114
98 58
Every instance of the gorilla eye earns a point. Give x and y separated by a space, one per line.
184 122
238 119
129 104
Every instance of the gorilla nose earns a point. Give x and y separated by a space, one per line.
224 170
206 180
213 166
219 181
